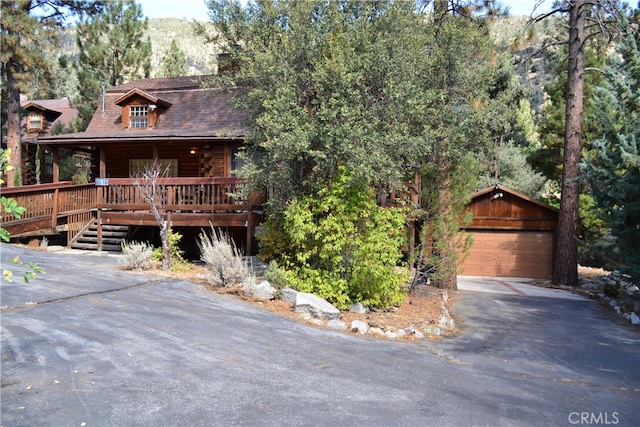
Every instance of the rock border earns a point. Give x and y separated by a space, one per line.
319 312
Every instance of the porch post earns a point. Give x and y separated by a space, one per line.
103 162
99 221
249 230
56 164
156 152
54 213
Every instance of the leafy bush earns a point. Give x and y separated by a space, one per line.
343 247
222 257
273 242
136 255
178 263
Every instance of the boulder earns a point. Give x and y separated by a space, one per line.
414 331
336 324
359 326
315 306
288 295
634 319
264 291
358 308
376 331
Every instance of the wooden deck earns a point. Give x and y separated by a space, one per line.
189 202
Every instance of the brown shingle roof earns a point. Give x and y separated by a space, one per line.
195 112
56 110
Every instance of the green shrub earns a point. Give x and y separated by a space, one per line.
178 263
342 247
273 242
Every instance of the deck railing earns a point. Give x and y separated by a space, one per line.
47 204
50 200
175 194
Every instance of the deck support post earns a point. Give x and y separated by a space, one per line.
103 162
99 223
54 213
56 164
249 230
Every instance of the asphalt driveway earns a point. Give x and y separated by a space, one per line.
87 344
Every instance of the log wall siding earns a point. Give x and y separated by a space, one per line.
206 162
214 161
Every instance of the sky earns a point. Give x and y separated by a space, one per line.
196 9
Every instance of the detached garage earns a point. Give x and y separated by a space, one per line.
513 235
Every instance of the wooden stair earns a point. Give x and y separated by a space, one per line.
112 237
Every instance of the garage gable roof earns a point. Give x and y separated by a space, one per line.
501 188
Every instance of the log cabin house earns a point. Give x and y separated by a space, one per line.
43 117
193 132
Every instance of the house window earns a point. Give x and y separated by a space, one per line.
34 121
237 163
139 116
167 167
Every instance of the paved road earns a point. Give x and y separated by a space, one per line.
88 343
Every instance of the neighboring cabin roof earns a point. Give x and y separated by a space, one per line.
52 107
193 113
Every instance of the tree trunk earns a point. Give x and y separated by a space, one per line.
166 249
446 246
14 176
566 257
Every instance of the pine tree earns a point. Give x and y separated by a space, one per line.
587 20
29 27
174 62
613 169
112 51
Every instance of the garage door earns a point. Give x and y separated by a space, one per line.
510 254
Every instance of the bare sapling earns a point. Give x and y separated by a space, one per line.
151 188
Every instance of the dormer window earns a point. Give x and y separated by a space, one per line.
139 117
140 109
34 121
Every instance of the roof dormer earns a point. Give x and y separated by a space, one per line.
140 109
38 116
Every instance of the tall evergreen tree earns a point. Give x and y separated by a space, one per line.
29 27
174 62
565 271
111 50
587 20
613 169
